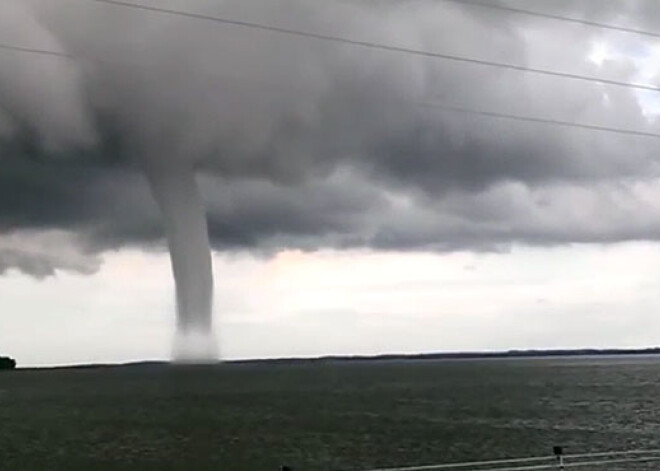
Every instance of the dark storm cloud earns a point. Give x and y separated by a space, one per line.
302 143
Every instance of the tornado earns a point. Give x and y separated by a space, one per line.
175 189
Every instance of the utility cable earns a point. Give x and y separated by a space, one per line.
380 46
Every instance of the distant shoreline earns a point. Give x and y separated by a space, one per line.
513 354
586 352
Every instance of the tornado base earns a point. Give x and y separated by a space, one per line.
195 348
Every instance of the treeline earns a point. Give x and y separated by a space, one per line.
7 363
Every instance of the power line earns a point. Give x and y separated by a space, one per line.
529 464
652 451
474 464
532 119
29 50
379 46
550 16
437 106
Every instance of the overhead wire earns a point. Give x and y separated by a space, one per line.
542 462
456 109
472 464
29 50
601 454
380 46
551 16
436 106
532 119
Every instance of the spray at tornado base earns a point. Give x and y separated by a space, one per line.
248 126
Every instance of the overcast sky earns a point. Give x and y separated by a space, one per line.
347 216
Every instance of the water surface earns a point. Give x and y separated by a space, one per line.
325 416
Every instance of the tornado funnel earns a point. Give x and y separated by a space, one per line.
176 191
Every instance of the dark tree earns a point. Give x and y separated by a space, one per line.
7 363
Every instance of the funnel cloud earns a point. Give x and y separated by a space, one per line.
176 192
148 129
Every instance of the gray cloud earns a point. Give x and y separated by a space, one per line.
41 254
302 143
